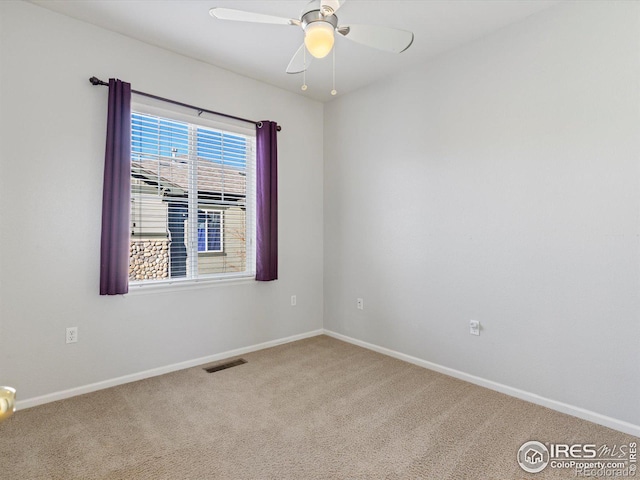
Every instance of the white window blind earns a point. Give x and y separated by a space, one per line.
192 201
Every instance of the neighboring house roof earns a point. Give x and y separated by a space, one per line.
172 177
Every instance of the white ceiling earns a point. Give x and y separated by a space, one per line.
263 51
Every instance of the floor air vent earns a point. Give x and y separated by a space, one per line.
224 366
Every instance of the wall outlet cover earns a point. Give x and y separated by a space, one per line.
474 327
72 334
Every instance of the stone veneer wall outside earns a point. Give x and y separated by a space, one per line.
149 260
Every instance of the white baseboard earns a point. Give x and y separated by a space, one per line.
72 392
582 413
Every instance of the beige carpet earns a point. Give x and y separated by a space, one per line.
314 409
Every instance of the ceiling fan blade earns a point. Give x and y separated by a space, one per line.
382 38
329 7
297 63
242 16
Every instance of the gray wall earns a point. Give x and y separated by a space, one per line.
52 135
498 182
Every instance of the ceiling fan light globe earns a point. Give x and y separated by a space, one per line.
318 38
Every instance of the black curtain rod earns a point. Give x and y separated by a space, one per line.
97 81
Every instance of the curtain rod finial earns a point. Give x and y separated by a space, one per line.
97 81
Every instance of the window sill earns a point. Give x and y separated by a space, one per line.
212 254
166 286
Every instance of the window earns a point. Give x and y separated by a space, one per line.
192 199
209 231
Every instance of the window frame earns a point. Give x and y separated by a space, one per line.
200 280
211 211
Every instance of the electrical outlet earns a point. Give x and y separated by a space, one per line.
474 327
293 300
360 304
72 334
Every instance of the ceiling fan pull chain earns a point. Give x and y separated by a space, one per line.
334 91
304 72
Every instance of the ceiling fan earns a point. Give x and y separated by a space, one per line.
319 22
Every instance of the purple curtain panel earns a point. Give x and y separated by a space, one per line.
116 193
267 201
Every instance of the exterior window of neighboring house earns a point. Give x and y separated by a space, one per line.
210 231
192 199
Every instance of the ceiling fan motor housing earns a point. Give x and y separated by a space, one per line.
326 7
317 16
